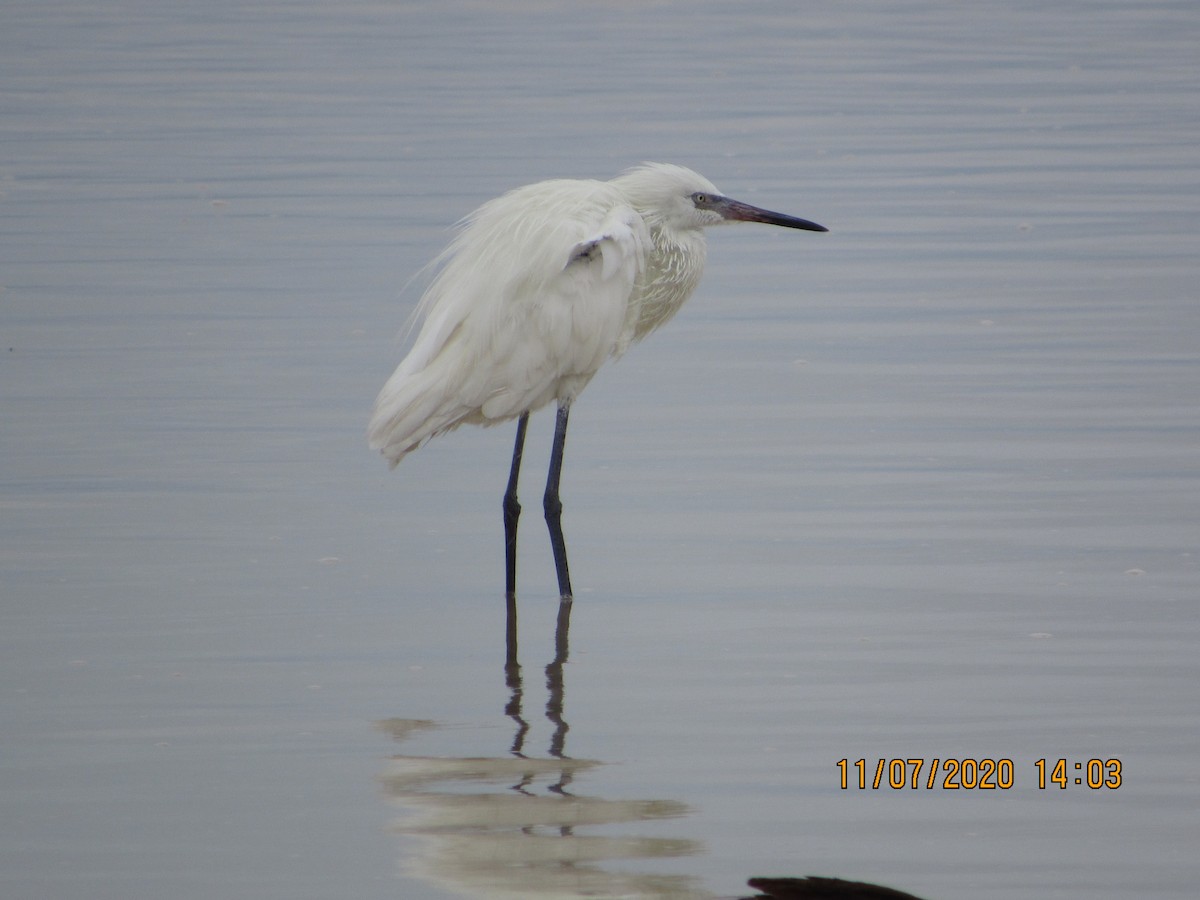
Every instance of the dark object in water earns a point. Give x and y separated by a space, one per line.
814 887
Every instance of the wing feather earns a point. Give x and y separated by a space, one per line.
533 295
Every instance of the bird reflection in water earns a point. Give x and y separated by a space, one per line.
487 829
554 679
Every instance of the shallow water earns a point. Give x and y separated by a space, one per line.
921 488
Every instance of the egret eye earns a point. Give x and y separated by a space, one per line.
700 199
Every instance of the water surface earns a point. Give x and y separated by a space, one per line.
921 488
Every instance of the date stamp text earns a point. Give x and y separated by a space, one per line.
928 773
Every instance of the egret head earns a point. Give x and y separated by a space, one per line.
678 199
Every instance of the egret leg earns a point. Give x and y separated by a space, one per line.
512 511
553 505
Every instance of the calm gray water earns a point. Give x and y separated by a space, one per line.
924 488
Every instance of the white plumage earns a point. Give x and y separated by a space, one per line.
538 289
534 294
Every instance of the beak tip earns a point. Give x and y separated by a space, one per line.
736 211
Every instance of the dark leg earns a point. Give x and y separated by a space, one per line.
512 511
553 505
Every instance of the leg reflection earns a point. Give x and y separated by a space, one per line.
555 684
490 826
512 679
556 687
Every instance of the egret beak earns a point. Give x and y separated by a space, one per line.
736 211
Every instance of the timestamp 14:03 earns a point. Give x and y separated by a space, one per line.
974 774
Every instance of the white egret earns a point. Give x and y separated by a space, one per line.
536 291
